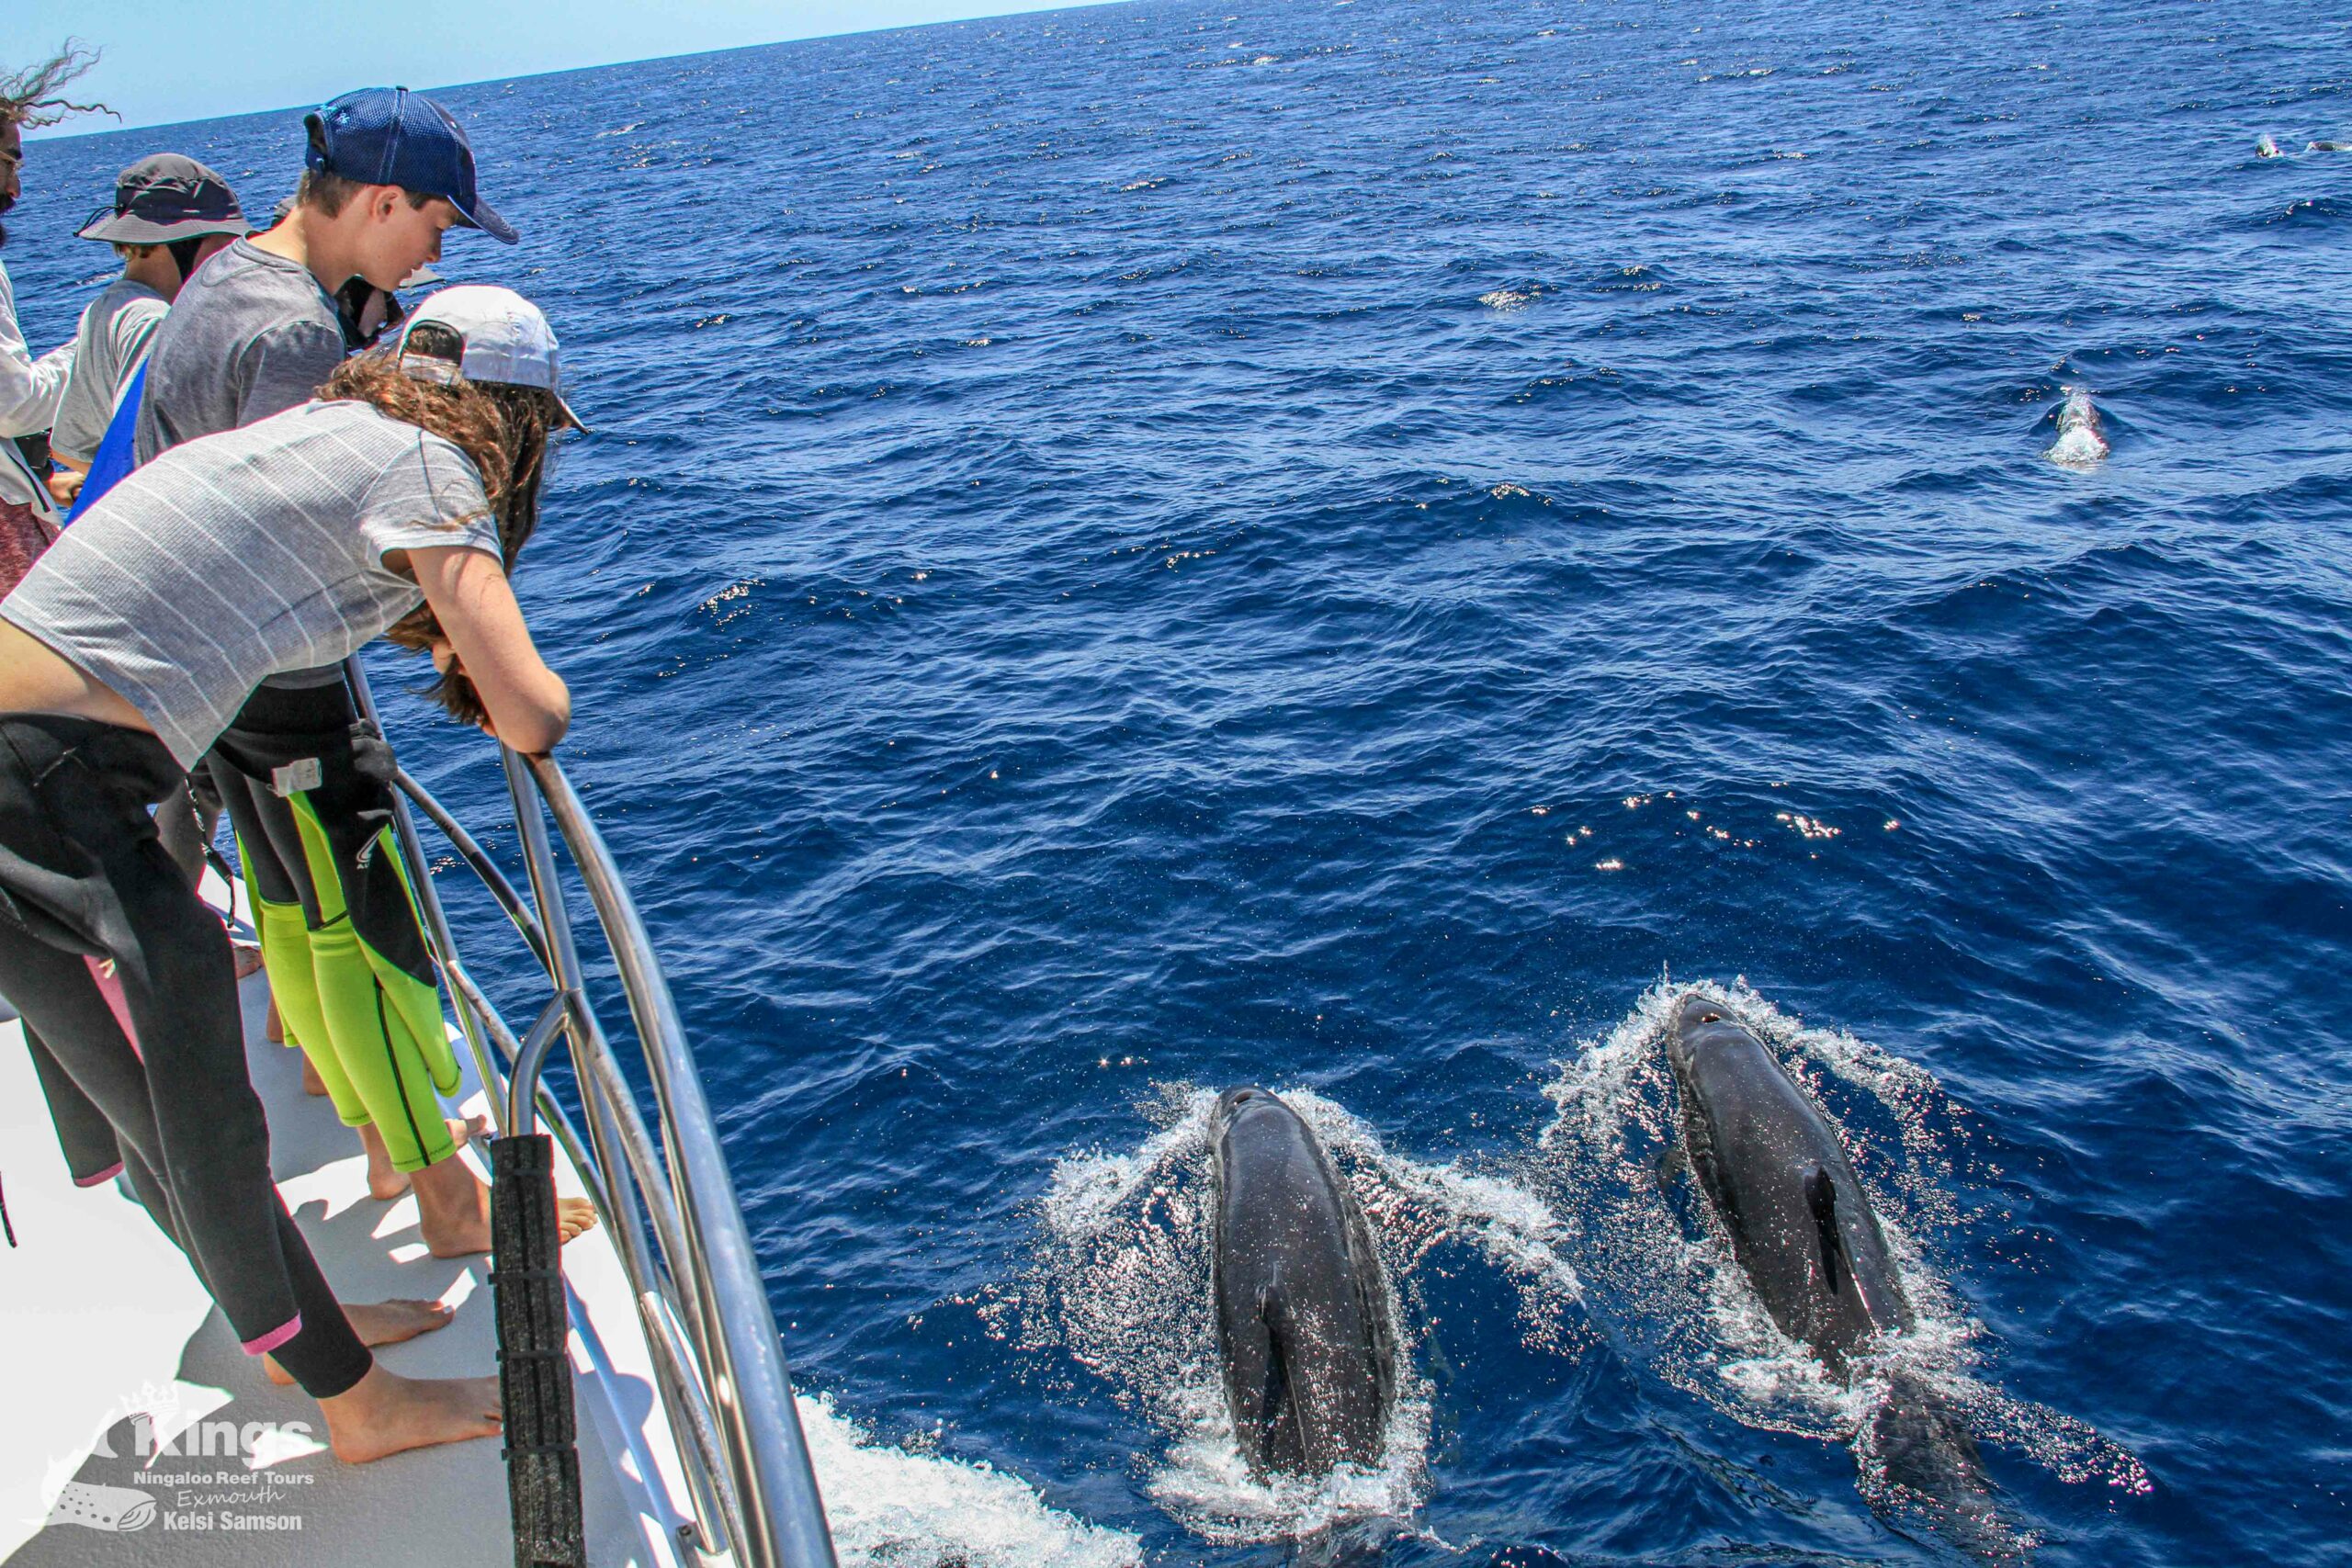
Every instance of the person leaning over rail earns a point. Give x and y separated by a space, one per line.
385 173
394 504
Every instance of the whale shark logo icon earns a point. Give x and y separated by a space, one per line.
117 1510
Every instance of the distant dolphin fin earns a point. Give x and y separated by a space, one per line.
1821 1196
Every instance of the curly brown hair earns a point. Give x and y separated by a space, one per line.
503 430
30 98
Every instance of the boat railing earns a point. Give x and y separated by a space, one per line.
668 1201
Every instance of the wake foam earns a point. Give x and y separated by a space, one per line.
891 1507
1121 1284
1658 1270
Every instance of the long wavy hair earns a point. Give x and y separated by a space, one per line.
503 430
31 97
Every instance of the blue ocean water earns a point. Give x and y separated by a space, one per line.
1349 544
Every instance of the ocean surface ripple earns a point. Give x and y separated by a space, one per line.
1135 549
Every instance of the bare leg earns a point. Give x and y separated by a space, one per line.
386 1183
380 1322
385 1413
452 1207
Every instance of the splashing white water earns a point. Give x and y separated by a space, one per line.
893 1508
2080 443
1122 1285
1659 1270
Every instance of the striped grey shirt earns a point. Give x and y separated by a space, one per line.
240 555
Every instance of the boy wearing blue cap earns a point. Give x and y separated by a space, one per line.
385 173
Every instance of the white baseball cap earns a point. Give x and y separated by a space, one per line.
504 337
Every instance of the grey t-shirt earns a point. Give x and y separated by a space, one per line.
247 554
115 332
252 334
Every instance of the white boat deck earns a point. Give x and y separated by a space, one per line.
106 1336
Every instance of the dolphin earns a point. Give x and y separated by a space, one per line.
2325 145
1778 1178
1304 1323
2080 442
2266 146
1804 1234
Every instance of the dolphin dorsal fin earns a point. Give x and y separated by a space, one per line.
1821 1196
1280 1406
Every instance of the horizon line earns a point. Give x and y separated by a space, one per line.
54 134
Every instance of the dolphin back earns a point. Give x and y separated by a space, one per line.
1303 1316
1778 1178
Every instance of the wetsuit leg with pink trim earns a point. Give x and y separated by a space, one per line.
81 876
84 1134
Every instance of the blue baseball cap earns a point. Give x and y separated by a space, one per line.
390 136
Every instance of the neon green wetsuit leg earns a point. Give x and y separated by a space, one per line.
385 1023
293 985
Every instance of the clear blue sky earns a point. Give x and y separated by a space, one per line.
167 60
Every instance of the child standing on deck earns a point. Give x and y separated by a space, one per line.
395 506
306 782
170 216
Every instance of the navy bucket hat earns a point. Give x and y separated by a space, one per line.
166 197
390 136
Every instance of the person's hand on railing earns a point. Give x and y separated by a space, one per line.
492 673
454 678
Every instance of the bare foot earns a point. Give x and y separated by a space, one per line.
380 1322
453 1211
273 1028
572 1215
384 1182
387 1414
248 957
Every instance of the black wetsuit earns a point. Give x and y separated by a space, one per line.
83 882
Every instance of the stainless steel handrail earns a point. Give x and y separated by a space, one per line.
775 1483
719 1363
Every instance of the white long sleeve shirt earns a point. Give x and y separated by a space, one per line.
30 389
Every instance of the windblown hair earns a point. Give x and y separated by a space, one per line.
30 98
503 430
